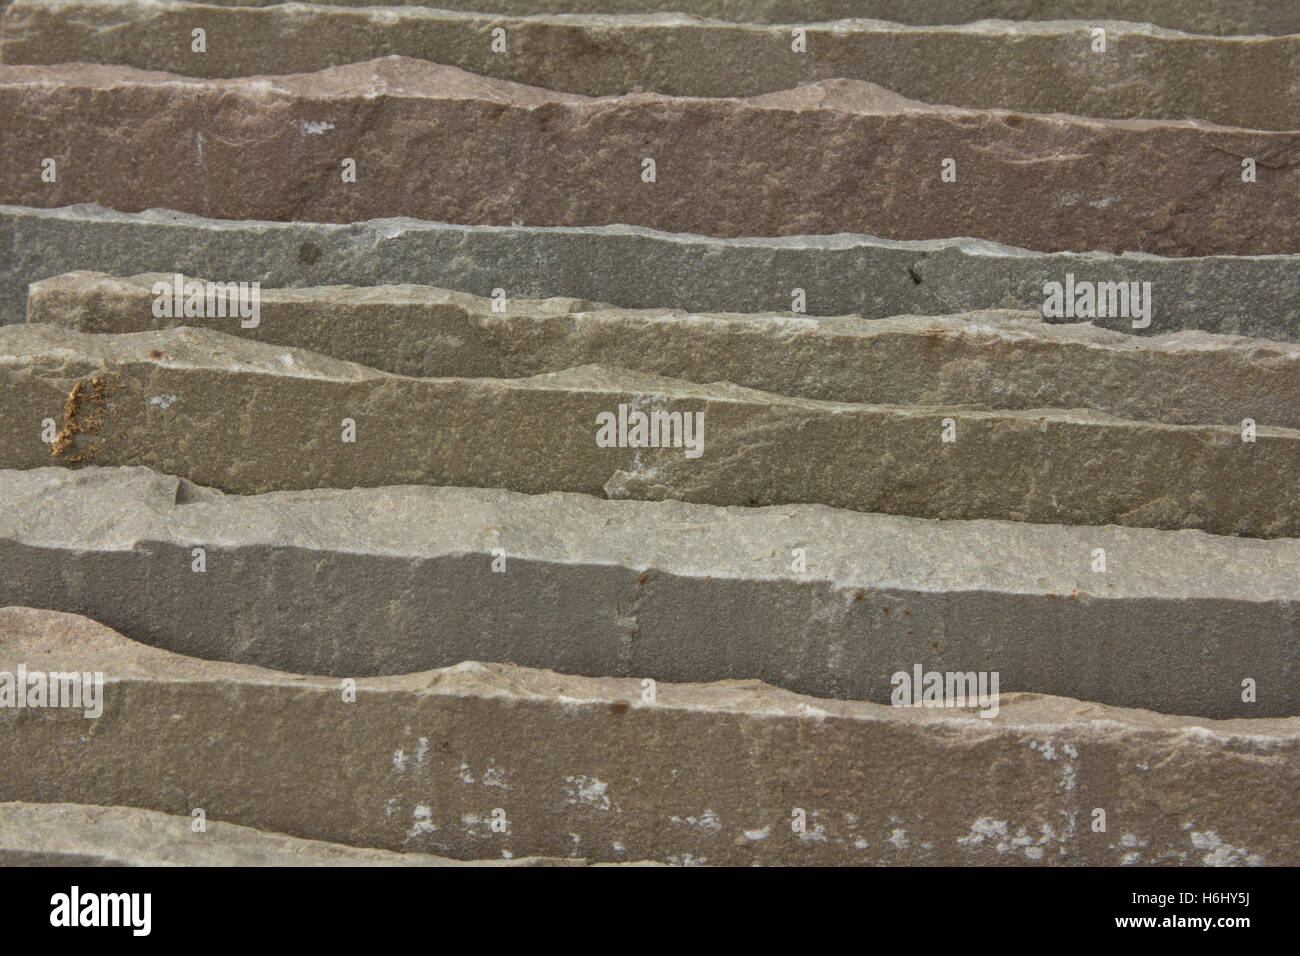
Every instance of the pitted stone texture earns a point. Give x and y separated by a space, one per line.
842 274
249 417
706 774
393 580
1194 16
1038 67
993 359
274 148
72 834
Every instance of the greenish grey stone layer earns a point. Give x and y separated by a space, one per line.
391 580
700 774
993 359
1038 67
641 268
73 834
249 417
1194 16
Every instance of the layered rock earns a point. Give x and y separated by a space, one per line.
1195 16
995 359
499 154
1039 67
838 275
250 417
832 603
71 834
479 760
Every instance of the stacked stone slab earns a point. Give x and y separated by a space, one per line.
1049 66
837 275
68 834
998 359
1195 16
248 418
707 774
285 147
571 432
423 577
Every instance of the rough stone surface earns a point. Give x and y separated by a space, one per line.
393 580
249 417
1038 67
704 774
994 359
505 154
1194 16
842 274
72 834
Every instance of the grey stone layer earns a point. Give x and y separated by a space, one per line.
704 774
641 268
1038 67
995 359
74 834
249 417
1194 16
392 580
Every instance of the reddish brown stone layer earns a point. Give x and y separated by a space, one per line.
437 143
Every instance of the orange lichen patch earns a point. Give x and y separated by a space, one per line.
85 411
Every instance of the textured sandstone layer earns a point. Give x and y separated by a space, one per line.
72 834
995 359
840 275
1039 67
587 767
438 143
392 580
1195 16
249 417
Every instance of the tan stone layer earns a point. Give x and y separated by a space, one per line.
997 359
437 143
249 417
72 834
